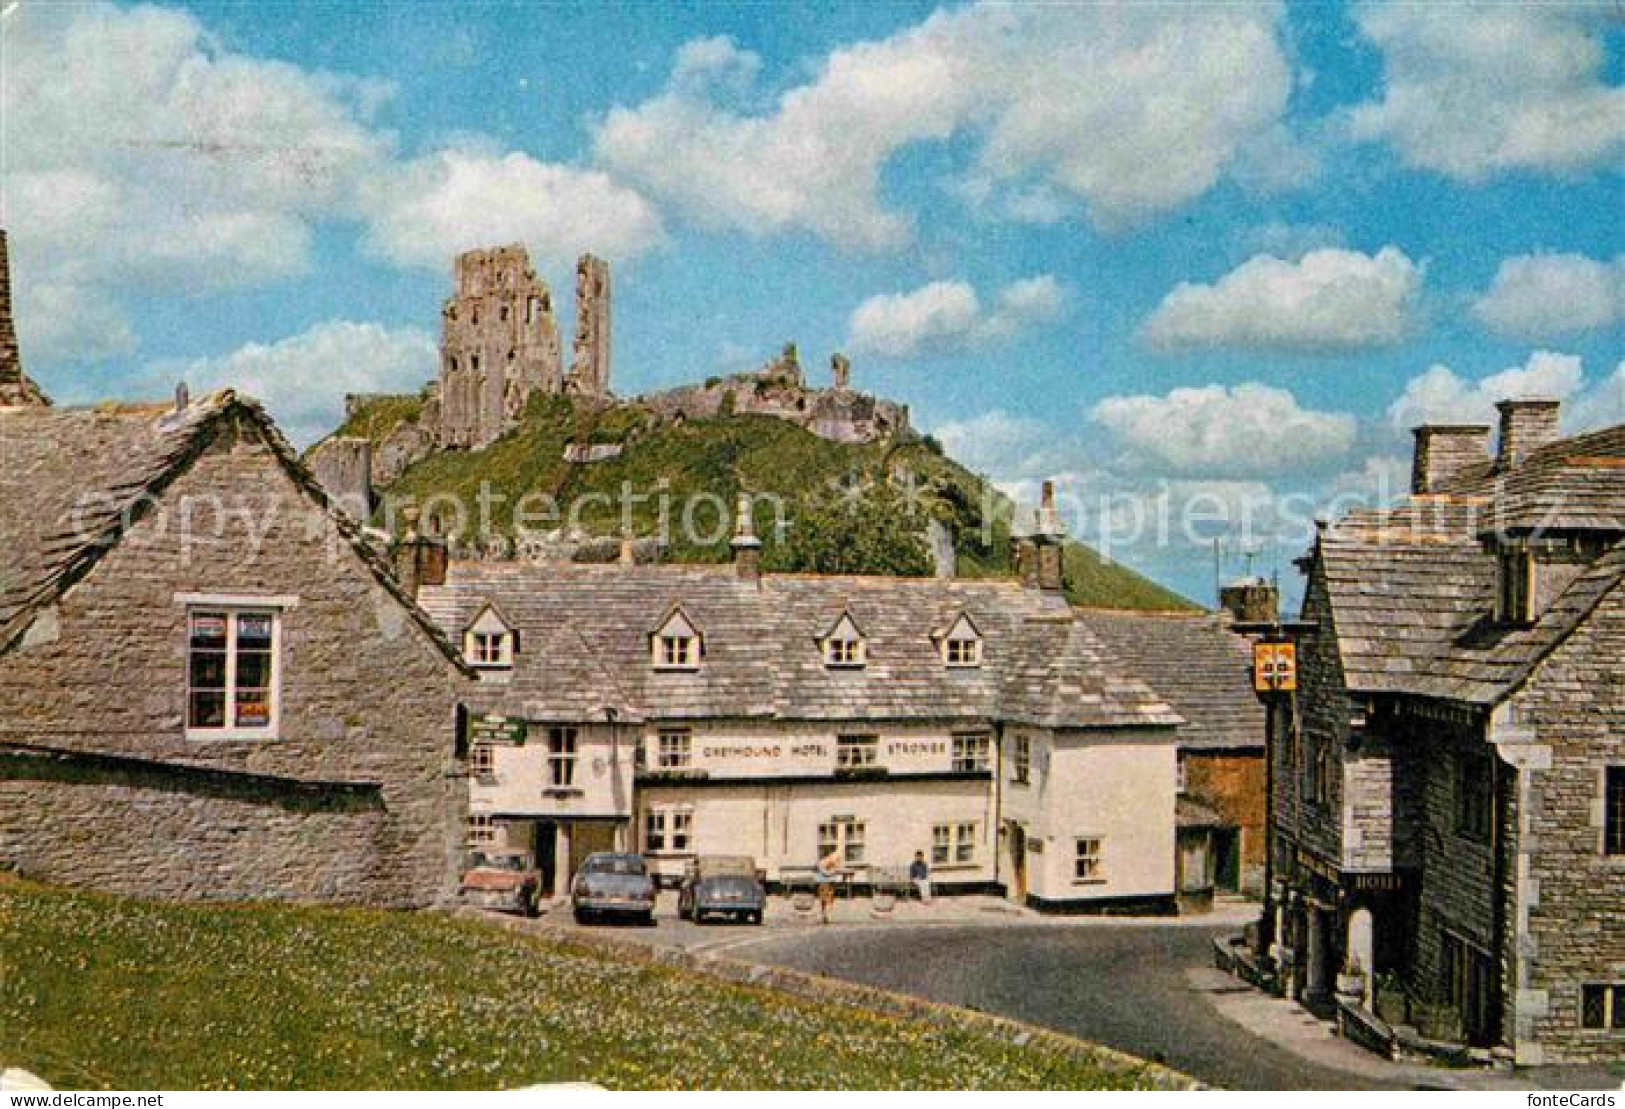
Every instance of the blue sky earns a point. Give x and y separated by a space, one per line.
1162 253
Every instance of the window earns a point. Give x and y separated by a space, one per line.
1467 980
1602 1007
232 672
970 753
953 844
1021 759
844 643
490 649
675 750
843 652
854 752
561 757
1318 783
1475 796
482 830
678 652
1613 814
502 313
668 831
482 761
842 836
532 307
1086 860
1181 782
1515 569
962 644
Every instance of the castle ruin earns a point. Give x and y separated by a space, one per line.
500 345
16 388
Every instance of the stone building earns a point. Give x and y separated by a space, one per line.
683 710
1448 801
1202 664
16 389
500 345
779 389
211 686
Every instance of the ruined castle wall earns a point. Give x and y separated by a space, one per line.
589 373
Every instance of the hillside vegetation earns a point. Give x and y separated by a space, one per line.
879 532
101 992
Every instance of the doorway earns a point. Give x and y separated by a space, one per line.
1227 859
1017 843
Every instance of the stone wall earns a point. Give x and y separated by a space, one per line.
589 368
1321 709
367 714
15 386
1573 896
343 466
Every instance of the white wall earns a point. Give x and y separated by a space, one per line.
602 785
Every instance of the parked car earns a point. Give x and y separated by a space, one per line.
506 881
613 884
722 885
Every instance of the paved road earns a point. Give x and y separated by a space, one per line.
1142 988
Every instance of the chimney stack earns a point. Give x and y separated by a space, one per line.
1251 601
1445 451
1526 425
746 547
1047 571
420 560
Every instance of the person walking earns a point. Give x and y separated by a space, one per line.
826 875
920 874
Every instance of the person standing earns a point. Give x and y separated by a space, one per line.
826 875
920 874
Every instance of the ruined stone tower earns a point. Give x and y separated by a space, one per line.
500 344
589 371
15 386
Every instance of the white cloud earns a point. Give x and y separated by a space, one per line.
1440 396
1329 299
1093 102
141 154
436 206
1009 447
303 379
1508 87
949 315
1543 296
1252 430
1602 406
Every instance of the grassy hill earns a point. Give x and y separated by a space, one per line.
720 456
100 992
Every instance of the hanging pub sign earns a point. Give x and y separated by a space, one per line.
497 729
1275 667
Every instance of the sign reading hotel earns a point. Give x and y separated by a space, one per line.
821 756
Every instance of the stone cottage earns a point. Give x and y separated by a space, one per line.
211 685
1448 801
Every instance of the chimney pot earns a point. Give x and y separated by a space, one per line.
1526 425
1444 452
746 547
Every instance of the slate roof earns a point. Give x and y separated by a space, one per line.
1202 667
585 636
1412 590
71 480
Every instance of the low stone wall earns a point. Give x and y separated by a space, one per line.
811 987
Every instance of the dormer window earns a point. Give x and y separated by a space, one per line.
844 645
490 642
676 643
962 645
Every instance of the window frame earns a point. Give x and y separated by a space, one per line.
971 752
480 831
865 743
1611 997
678 754
848 837
1094 860
482 761
845 653
668 830
677 652
1473 796
1021 759
970 645
563 755
231 611
953 844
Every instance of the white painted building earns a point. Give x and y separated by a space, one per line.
684 710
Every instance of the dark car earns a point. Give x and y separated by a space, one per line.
722 885
612 884
502 880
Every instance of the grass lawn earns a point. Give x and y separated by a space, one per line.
99 991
